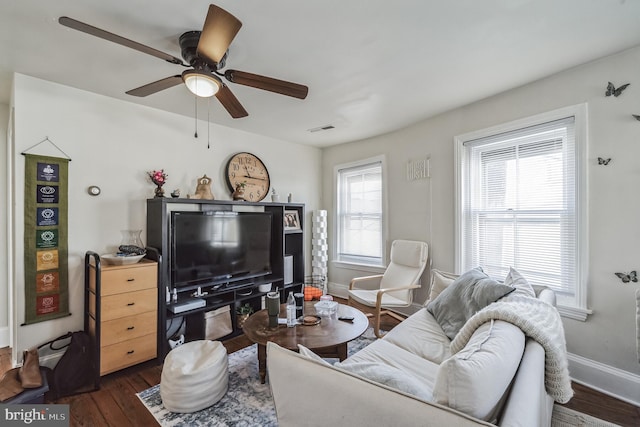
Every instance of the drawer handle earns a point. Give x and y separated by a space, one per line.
130 352
130 328
132 303
130 280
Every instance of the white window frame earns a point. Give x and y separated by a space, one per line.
353 263
576 307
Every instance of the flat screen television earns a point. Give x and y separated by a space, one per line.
216 247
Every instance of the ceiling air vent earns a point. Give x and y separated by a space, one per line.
321 128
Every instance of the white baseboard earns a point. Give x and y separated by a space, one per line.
606 379
4 337
337 290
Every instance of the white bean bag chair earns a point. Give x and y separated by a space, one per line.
194 376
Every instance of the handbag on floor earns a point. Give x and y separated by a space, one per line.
75 372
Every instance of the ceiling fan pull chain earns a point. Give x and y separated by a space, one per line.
195 98
208 123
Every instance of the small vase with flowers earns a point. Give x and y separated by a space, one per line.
159 178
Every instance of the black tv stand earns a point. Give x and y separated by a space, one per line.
226 291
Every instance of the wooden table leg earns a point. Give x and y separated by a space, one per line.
341 349
262 362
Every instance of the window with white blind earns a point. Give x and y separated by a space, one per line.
359 213
520 204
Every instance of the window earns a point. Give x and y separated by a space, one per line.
520 204
360 218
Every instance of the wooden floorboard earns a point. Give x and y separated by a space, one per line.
137 381
85 411
151 375
109 408
602 406
116 403
5 359
124 394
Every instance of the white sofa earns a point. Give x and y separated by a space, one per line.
410 378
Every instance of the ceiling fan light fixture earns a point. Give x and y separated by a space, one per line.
201 84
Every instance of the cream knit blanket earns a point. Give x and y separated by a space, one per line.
538 320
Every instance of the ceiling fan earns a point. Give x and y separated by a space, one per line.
205 53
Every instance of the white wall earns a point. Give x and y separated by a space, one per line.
112 144
608 337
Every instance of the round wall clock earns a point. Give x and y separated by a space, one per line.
248 169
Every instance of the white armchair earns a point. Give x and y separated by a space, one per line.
395 287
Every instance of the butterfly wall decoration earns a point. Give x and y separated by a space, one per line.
626 278
611 89
602 161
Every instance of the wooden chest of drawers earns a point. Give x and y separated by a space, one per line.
122 313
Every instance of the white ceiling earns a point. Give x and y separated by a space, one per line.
372 66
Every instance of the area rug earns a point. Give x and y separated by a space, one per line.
247 402
565 417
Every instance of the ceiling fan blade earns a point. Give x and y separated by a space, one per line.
157 86
218 32
94 31
231 103
267 83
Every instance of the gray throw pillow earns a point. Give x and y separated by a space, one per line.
468 294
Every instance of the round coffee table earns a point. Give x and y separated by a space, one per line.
328 338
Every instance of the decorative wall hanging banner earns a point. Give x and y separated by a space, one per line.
46 271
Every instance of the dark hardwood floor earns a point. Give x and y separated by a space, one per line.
116 403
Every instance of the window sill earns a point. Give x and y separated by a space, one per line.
360 267
575 313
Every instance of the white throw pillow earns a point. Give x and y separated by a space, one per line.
515 280
440 280
476 379
304 351
389 376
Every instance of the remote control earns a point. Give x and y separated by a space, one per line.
346 318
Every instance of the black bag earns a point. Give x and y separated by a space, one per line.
75 371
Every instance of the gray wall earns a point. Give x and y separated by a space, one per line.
112 145
424 210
